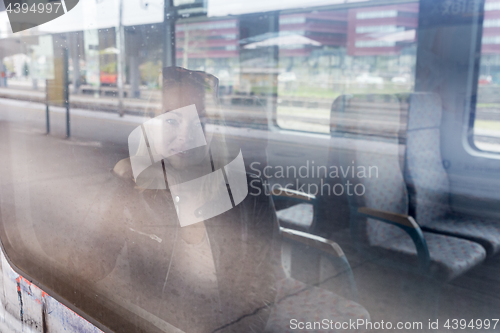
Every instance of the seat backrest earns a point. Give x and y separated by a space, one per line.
369 135
368 115
424 171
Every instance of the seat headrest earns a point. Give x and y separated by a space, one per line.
425 111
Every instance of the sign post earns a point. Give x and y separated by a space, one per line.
58 86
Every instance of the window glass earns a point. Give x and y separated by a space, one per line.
252 166
486 125
351 51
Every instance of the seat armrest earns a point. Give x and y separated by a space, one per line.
330 251
393 218
282 192
293 197
408 224
319 243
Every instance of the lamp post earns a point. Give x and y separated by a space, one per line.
169 18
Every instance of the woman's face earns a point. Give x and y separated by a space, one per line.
182 128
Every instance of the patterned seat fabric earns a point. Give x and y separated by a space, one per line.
300 215
483 231
384 192
450 256
296 300
384 188
426 175
424 168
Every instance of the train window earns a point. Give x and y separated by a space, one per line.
250 166
486 125
325 54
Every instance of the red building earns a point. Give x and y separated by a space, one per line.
326 28
381 30
208 39
491 28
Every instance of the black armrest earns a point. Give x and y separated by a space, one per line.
408 224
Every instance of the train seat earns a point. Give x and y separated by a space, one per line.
300 215
313 297
379 206
303 303
428 179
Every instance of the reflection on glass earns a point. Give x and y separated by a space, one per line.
178 236
174 146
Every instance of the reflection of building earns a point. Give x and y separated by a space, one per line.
207 39
318 48
367 31
327 28
211 45
220 38
491 28
490 59
381 30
